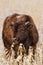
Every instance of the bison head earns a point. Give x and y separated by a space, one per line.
19 29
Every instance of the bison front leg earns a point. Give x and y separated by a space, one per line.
34 50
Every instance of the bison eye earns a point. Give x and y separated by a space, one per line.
27 23
12 24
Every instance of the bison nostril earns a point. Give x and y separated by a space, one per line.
18 39
14 39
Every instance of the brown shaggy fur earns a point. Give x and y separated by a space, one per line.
15 27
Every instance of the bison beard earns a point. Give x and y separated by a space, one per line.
19 29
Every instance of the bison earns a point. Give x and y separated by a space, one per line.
19 28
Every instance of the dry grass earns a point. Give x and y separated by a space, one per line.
26 59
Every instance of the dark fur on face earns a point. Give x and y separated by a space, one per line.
23 29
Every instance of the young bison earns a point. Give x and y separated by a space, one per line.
19 29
